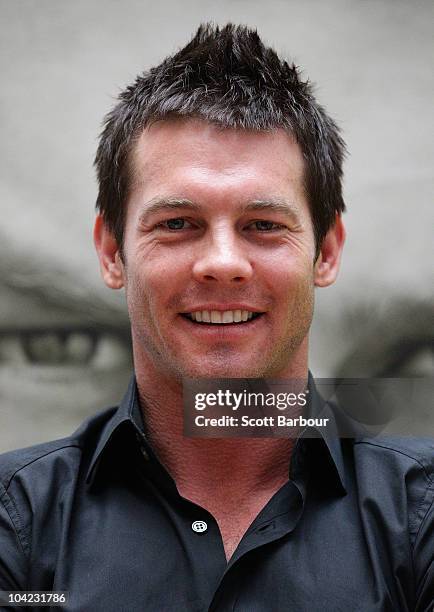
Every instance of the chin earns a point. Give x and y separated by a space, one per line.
222 370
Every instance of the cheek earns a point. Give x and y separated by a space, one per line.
294 292
152 288
286 272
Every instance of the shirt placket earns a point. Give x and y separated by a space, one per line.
277 520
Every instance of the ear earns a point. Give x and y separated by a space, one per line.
326 267
111 266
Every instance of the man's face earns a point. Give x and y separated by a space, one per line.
217 225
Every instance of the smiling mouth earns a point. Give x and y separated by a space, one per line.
218 317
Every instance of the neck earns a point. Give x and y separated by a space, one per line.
204 469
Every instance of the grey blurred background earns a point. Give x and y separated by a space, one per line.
64 348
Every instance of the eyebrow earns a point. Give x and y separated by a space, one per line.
273 205
161 204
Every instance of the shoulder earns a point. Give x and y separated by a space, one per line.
400 451
30 460
38 486
397 474
39 467
401 498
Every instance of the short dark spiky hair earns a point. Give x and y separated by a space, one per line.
226 76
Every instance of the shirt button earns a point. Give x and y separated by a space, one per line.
199 526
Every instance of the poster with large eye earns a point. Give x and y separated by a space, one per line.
65 344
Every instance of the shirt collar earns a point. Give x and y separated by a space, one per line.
128 415
329 435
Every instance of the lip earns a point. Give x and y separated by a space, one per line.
222 307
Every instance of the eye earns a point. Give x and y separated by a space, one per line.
177 223
61 347
72 347
265 226
397 341
413 360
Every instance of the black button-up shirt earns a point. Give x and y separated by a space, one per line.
97 515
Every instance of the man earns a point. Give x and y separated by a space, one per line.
219 213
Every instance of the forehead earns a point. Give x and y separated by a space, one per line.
171 151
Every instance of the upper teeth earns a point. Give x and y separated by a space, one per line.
219 316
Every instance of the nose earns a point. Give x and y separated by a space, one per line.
222 257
